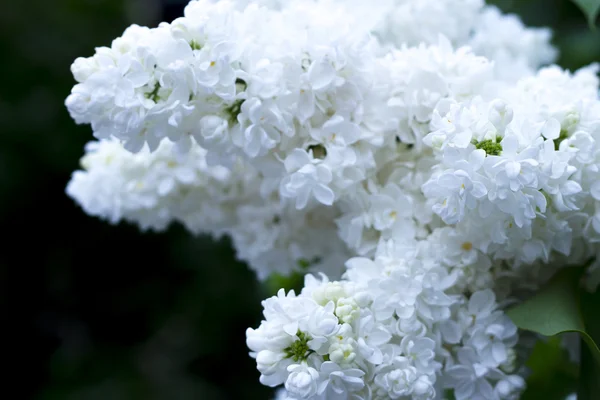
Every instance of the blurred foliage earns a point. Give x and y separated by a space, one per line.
578 44
553 377
105 312
99 311
589 388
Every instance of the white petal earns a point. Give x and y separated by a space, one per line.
321 74
324 194
513 169
551 129
595 190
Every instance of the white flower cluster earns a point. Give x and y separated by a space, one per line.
154 189
387 331
413 142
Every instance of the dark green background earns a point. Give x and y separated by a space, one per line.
102 312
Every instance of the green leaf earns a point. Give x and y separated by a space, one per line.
555 309
590 8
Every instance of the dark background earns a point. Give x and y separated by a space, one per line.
104 312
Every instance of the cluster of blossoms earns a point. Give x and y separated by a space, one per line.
427 167
387 331
154 189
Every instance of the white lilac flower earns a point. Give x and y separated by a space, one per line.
494 36
375 332
272 236
153 189
528 181
414 145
